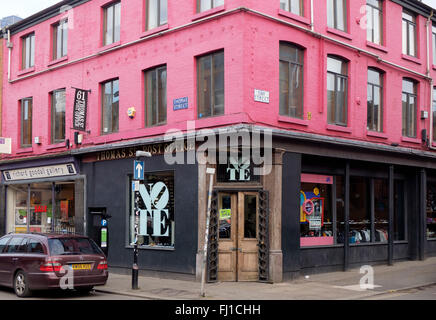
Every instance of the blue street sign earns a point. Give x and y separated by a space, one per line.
103 222
138 170
181 103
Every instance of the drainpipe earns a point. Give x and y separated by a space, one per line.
9 45
312 27
428 26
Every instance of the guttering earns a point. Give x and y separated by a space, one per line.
218 15
430 114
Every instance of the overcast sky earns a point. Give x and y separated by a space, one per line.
25 8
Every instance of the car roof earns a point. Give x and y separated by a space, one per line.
47 235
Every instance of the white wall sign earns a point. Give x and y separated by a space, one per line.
40 172
5 145
261 96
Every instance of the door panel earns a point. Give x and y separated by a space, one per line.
227 243
248 265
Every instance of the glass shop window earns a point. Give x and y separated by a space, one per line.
316 219
156 205
64 219
431 210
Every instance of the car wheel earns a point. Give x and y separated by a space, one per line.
84 289
21 287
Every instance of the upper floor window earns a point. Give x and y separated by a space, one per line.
409 108
434 44
203 5
58 116
110 106
374 18
434 114
60 39
112 23
156 96
293 6
337 14
291 81
409 34
26 122
28 51
210 83
337 91
157 13
375 101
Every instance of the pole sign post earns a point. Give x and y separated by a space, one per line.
135 186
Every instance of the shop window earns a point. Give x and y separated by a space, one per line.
157 13
431 209
381 210
291 80
156 96
156 205
37 214
434 112
210 83
316 217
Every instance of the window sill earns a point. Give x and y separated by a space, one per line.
56 146
339 33
53 62
155 30
376 46
410 58
333 127
287 119
109 46
376 134
209 12
25 71
411 140
25 150
294 16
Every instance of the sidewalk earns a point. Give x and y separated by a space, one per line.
326 286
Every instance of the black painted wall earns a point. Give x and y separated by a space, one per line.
107 186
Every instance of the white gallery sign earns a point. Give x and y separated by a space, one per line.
40 172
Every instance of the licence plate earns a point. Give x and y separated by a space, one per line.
81 266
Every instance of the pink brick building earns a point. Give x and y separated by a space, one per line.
346 89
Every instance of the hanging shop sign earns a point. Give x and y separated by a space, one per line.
237 170
80 106
40 172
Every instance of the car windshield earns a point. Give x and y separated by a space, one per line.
67 246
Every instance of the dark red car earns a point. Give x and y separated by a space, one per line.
50 261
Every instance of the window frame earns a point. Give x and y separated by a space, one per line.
22 129
63 25
434 113
335 15
102 84
408 40
381 111
373 16
212 105
53 116
434 44
405 130
289 2
30 62
159 23
105 23
346 91
155 70
290 64
212 6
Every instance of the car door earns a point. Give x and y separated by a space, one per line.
3 264
10 258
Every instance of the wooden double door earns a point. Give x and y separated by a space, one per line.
238 249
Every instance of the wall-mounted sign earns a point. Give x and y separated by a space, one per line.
181 103
40 172
5 145
80 106
261 96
